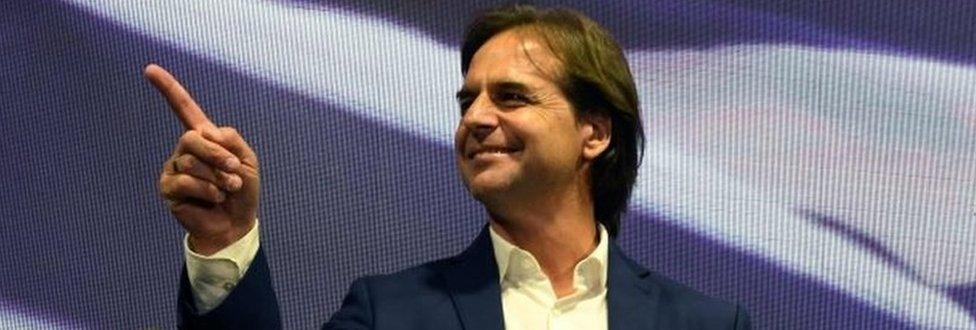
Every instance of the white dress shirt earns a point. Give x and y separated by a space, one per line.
213 277
528 299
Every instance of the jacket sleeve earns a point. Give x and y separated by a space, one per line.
356 312
742 321
252 304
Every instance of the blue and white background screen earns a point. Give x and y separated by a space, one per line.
812 160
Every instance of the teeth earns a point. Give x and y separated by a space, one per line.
492 151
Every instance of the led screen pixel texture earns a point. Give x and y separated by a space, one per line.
812 161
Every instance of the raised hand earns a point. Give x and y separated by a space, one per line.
211 179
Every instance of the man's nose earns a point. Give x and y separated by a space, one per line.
481 119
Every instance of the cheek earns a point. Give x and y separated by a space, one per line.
460 135
564 141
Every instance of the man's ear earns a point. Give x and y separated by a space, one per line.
596 129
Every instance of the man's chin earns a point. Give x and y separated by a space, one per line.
490 184
482 192
487 191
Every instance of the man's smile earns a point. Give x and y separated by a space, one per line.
490 152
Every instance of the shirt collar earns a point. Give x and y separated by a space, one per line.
590 271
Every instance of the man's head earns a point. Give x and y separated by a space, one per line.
548 102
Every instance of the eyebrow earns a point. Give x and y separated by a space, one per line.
505 85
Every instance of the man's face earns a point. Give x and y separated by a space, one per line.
518 136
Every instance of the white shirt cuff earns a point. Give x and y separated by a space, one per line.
213 277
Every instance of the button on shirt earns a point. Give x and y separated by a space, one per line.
529 301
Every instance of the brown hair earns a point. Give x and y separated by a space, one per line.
596 79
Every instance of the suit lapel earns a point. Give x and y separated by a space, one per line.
631 297
472 281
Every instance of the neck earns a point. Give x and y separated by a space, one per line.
559 233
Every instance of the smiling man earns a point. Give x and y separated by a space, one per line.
549 141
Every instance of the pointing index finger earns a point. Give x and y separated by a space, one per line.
189 113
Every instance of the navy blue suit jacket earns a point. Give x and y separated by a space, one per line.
463 292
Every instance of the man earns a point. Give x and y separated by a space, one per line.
549 142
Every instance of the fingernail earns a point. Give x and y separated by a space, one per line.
231 163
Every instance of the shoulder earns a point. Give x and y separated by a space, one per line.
666 290
427 285
413 298
405 285
679 296
679 306
473 266
685 307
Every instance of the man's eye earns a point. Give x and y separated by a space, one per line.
464 105
513 98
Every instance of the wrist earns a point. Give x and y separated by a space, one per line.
211 244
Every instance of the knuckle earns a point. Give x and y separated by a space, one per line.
179 209
229 131
185 182
167 190
166 167
214 191
180 185
209 134
215 156
189 137
211 150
